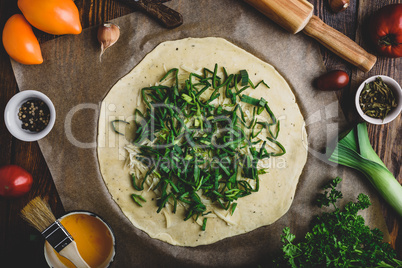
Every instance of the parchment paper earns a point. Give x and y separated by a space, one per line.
76 81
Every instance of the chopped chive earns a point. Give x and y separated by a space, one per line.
114 126
204 224
134 183
169 72
195 146
262 82
135 197
244 77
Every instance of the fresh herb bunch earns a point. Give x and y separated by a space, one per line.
338 239
200 151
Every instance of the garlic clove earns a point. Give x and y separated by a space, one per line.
108 34
338 5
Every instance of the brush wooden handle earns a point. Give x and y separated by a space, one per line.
340 44
71 253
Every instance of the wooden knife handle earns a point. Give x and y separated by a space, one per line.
165 15
340 44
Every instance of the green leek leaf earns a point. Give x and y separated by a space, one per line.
354 150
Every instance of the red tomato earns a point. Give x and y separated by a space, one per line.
14 181
333 80
20 42
386 30
52 16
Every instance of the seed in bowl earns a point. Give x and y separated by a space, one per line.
377 99
34 114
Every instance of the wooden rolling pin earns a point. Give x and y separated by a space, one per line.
297 15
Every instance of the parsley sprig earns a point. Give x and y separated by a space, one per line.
338 239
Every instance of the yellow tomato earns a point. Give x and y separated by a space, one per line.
20 42
52 16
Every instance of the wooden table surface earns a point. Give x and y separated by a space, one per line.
22 246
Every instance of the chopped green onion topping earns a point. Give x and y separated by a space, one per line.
138 198
115 127
196 147
244 77
204 224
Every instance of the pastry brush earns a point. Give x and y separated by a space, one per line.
38 214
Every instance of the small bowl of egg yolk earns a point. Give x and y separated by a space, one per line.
95 240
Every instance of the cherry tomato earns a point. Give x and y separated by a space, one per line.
386 30
333 80
14 181
52 16
20 42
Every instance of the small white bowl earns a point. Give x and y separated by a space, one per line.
52 259
395 87
14 124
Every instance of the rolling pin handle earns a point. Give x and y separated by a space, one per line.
340 44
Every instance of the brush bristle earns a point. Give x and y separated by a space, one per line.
38 214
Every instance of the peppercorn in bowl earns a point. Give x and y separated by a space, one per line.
29 115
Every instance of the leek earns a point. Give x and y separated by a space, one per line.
354 150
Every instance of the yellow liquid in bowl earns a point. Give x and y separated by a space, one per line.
93 238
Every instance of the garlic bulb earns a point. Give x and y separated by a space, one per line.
108 34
